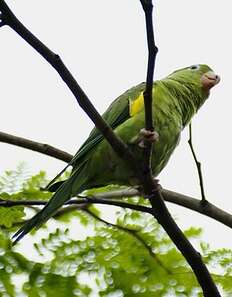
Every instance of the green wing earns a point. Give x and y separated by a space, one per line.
116 114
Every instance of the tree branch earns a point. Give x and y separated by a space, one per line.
208 209
195 204
35 146
198 165
84 200
160 211
148 106
69 208
194 259
55 61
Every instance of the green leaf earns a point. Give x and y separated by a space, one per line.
135 259
11 215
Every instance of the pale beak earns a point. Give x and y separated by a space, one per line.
209 80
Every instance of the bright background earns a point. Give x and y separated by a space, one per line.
103 43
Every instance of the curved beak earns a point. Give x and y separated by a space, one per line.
209 80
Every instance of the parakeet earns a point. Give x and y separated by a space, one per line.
176 99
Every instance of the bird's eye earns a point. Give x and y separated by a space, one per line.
194 67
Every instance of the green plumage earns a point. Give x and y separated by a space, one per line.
176 99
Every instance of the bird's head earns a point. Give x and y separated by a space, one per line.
201 76
191 85
197 80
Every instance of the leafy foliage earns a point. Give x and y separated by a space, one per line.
129 256
16 185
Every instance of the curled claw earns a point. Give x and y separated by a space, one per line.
147 135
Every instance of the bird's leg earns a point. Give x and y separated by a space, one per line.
147 136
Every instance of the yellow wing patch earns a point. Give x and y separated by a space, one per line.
136 105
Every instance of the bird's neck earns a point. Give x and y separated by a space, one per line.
187 98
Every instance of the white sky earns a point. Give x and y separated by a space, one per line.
104 45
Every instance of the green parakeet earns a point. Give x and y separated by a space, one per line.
176 99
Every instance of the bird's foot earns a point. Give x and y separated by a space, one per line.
147 136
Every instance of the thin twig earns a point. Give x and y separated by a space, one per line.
70 208
209 210
86 200
35 146
133 233
198 165
188 202
152 52
148 98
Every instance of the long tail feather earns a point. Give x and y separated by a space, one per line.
56 177
63 194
